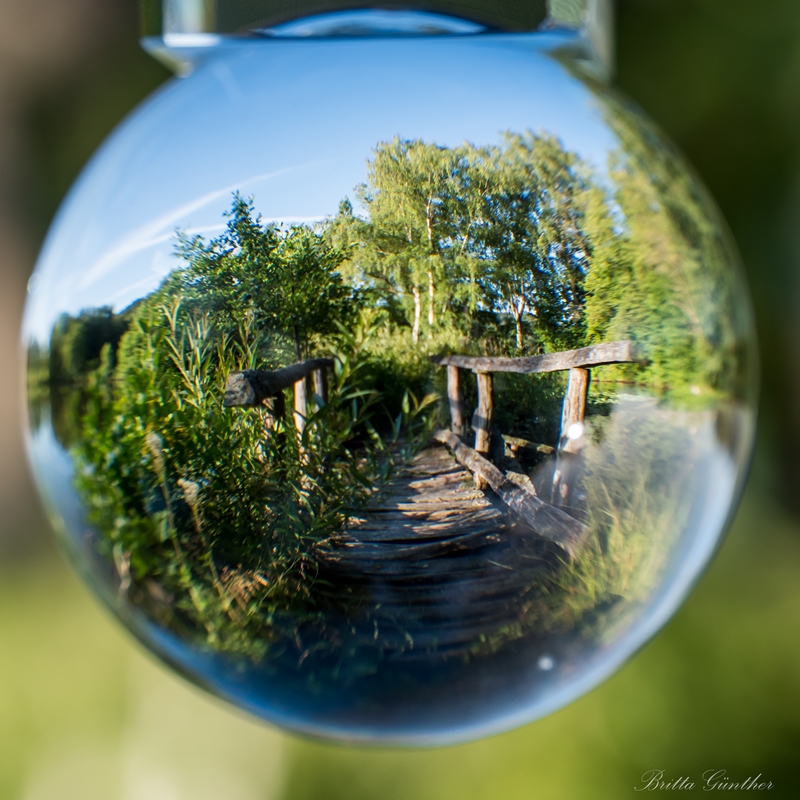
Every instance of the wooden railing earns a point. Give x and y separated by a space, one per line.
248 388
570 439
253 387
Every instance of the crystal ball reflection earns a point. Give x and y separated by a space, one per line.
392 390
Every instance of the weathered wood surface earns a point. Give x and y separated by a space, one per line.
251 387
514 444
573 411
547 521
276 409
320 380
433 500
593 356
456 401
300 405
571 438
482 421
436 565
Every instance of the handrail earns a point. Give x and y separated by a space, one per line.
250 387
592 356
548 521
571 435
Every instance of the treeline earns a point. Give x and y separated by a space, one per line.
523 248
513 249
80 345
472 238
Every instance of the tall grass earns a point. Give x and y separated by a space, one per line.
211 514
634 493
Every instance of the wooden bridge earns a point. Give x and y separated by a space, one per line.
450 549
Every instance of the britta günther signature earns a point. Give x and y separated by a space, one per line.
656 780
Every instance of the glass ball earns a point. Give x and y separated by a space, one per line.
391 389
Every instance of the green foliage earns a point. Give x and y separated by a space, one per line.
661 270
222 509
77 343
287 282
469 237
216 518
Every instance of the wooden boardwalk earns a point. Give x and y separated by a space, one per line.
438 565
455 552
435 501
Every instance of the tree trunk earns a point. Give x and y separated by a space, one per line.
518 321
431 307
417 314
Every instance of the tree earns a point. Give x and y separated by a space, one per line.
492 229
660 270
286 281
408 195
546 254
76 343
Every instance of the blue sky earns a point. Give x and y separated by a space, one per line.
291 123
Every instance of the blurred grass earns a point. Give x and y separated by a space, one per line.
84 714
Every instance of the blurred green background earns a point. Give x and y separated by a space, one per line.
84 713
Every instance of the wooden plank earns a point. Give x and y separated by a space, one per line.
514 443
434 565
431 579
251 387
418 534
421 579
448 479
448 515
452 492
456 401
464 519
450 504
592 356
548 521
363 551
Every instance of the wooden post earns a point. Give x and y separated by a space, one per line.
276 408
300 405
456 401
320 378
570 439
482 420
